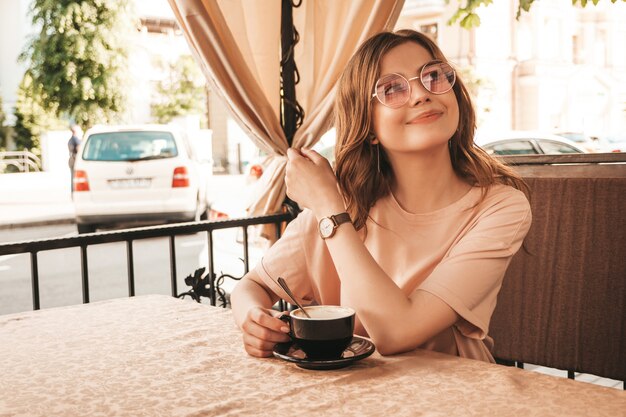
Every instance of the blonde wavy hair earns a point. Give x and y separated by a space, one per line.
356 161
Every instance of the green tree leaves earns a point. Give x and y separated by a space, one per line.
78 59
182 93
467 15
469 19
523 5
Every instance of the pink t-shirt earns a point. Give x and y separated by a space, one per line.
458 253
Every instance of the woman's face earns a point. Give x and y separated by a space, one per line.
426 120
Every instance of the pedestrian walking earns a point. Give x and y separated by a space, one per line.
72 146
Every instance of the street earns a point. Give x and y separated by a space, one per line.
60 277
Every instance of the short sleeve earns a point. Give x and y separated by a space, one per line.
470 276
287 259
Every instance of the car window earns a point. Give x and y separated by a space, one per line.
551 147
514 147
576 137
129 146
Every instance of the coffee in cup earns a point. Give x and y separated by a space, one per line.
326 334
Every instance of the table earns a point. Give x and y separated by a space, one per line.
157 355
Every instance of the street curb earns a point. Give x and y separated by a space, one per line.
36 223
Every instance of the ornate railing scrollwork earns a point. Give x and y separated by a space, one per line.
201 286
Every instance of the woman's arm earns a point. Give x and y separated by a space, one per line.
395 322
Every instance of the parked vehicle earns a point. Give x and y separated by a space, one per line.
615 142
138 174
508 143
581 140
526 143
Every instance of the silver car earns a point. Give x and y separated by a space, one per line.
526 143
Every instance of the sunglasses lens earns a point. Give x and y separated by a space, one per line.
438 77
392 90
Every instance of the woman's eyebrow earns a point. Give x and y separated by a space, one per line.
415 71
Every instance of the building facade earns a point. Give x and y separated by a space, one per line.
558 68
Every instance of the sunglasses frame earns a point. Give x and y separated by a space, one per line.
418 77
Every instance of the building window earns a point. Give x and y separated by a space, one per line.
431 30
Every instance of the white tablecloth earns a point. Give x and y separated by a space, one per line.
156 355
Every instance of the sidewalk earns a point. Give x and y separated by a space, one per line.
42 198
35 199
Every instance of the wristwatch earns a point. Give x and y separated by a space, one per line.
328 225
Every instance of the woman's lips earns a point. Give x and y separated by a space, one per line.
427 117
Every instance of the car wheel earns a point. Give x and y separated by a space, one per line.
85 228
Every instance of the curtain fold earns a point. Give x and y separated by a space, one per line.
237 43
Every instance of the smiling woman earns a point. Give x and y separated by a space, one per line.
432 221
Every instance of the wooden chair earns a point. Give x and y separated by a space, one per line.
563 301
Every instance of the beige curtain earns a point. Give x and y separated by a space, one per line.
238 44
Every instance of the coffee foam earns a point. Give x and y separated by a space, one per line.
324 312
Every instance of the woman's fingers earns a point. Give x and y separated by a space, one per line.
306 154
262 344
268 318
262 331
293 154
310 181
252 351
314 156
265 334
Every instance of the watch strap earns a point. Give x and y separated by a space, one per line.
341 218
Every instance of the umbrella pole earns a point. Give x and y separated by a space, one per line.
291 113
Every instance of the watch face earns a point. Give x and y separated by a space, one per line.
326 227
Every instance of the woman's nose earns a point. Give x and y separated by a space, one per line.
419 94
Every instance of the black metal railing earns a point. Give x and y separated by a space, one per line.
131 235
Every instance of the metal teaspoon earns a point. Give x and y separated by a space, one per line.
284 286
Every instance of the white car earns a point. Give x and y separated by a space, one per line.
615 142
581 140
525 143
138 175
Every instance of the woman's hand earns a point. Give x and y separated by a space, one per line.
262 330
311 182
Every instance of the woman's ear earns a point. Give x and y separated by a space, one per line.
373 139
